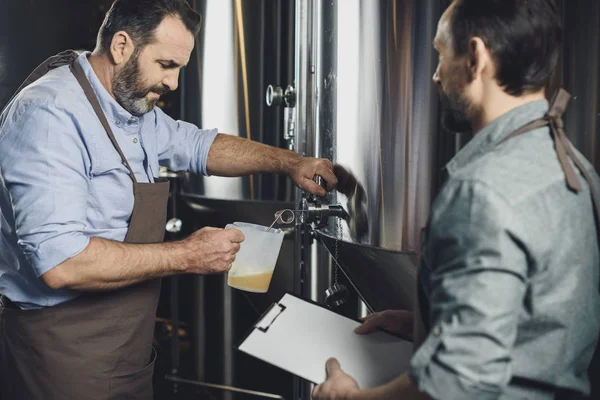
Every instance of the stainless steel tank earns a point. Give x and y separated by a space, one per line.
365 100
377 110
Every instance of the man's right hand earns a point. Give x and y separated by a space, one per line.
212 250
397 322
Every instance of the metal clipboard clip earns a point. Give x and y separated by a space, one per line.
269 317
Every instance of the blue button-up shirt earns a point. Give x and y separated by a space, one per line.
62 181
510 270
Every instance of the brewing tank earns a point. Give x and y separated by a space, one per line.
366 100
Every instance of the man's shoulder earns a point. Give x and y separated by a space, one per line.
59 85
517 169
57 92
58 88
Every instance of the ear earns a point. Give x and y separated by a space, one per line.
121 47
479 59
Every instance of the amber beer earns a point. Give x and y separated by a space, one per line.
254 264
257 282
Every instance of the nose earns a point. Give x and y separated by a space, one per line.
436 76
171 80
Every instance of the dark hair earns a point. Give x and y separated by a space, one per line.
140 18
523 36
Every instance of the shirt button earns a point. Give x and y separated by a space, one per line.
135 140
437 331
133 121
118 122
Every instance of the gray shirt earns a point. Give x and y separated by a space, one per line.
510 271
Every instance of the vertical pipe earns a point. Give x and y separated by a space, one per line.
260 105
239 23
304 70
304 75
174 295
303 109
278 21
324 129
228 329
199 326
290 71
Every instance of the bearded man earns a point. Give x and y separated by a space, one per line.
83 211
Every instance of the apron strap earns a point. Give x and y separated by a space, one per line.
561 144
565 151
538 123
562 147
91 96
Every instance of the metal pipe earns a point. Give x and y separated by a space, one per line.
228 329
199 327
239 23
303 78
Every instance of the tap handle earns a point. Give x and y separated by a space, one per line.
321 181
274 95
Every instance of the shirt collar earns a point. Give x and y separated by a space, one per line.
114 112
494 132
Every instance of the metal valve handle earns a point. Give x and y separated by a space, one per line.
274 96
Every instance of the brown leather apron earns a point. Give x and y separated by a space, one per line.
563 151
98 345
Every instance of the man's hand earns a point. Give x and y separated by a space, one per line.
338 386
212 250
303 170
397 322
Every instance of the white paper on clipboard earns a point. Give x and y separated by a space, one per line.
299 336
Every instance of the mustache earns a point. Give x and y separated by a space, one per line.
160 90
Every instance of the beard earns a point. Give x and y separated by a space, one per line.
455 112
131 92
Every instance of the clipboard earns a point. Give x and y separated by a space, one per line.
299 336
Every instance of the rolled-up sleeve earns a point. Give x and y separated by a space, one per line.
476 262
45 166
182 146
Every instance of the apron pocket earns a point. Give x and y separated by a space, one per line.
137 385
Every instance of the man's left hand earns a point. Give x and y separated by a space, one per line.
304 170
338 386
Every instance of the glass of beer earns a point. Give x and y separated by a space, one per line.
253 267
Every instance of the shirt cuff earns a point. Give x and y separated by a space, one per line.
439 381
54 251
205 145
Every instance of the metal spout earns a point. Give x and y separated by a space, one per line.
319 214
